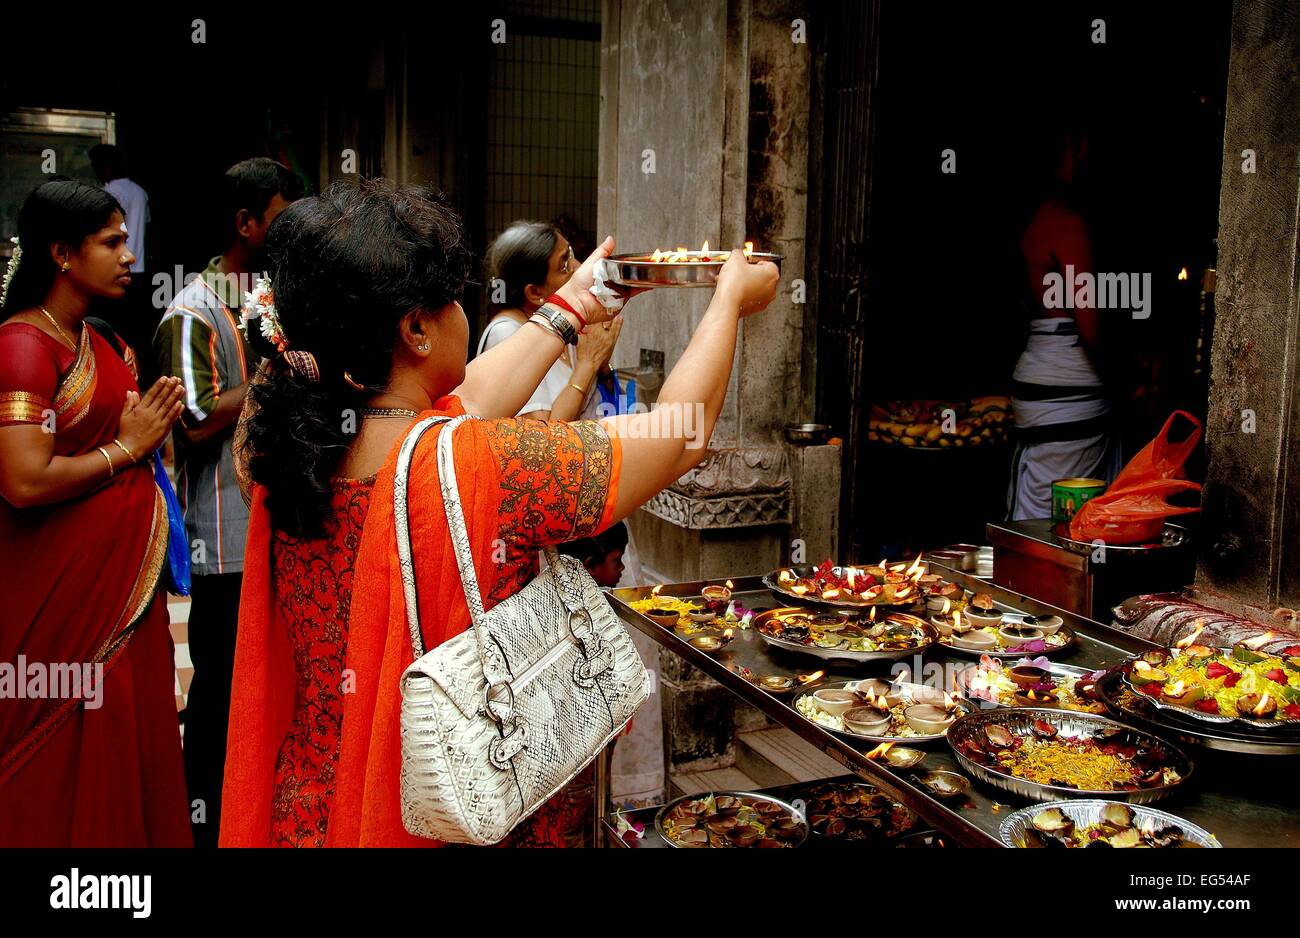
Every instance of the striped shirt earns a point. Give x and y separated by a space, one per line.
198 341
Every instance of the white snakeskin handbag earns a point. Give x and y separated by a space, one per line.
498 719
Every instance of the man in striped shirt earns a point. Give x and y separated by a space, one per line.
198 341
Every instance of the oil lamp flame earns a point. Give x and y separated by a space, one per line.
915 568
656 590
730 585
809 678
726 635
1182 274
1191 639
1264 706
657 256
872 614
1259 641
947 607
879 751
704 249
749 248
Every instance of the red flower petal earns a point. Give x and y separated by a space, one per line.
1292 711
1209 705
1232 679
1277 674
1215 669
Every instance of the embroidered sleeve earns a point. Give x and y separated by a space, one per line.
29 378
552 481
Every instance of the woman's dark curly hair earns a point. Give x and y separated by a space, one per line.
346 266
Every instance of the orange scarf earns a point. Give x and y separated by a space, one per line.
366 810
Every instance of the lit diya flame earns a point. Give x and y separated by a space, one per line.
831 593
880 751
809 678
904 592
730 585
749 248
872 614
655 592
785 576
799 589
1265 707
897 567
1191 639
852 579
948 702
1259 641
915 570
727 634
956 618
947 607
1182 274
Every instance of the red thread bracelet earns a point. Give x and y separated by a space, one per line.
563 304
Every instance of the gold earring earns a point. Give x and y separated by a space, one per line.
66 267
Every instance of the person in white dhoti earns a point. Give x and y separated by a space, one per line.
1063 418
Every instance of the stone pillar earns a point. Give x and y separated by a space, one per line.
1251 550
704 134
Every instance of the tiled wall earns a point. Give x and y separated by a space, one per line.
543 118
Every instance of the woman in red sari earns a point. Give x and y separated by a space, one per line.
366 280
83 537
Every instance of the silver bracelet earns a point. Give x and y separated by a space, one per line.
545 324
557 319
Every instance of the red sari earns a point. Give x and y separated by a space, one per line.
306 764
81 587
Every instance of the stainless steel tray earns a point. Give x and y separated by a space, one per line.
1173 536
1112 689
663 812
1215 719
639 270
1086 812
849 734
962 680
835 654
1007 655
1076 725
785 595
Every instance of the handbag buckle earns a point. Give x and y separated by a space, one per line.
502 751
500 719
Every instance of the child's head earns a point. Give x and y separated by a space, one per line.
602 555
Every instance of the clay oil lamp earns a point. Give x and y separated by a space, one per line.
726 805
718 592
835 701
829 623
742 836
879 690
1048 625
1181 694
702 616
867 721
928 581
942 618
1028 697
1119 816
1143 673
935 603
787 829
1188 647
1257 706
998 736
982 612
903 592
970 638
693 838
1017 633
1053 822
1028 675
665 617
946 784
873 594
918 569
930 719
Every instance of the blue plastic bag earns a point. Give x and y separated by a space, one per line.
178 547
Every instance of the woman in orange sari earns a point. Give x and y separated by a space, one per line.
90 751
366 280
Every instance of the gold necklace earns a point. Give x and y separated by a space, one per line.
388 412
55 323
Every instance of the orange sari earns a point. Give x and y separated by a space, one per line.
524 484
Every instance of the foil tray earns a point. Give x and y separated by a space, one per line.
1086 812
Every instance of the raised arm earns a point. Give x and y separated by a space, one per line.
656 450
501 380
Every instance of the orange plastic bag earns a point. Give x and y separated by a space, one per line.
1134 508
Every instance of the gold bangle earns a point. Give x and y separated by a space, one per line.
582 391
109 458
122 446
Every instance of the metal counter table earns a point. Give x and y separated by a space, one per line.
1245 800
